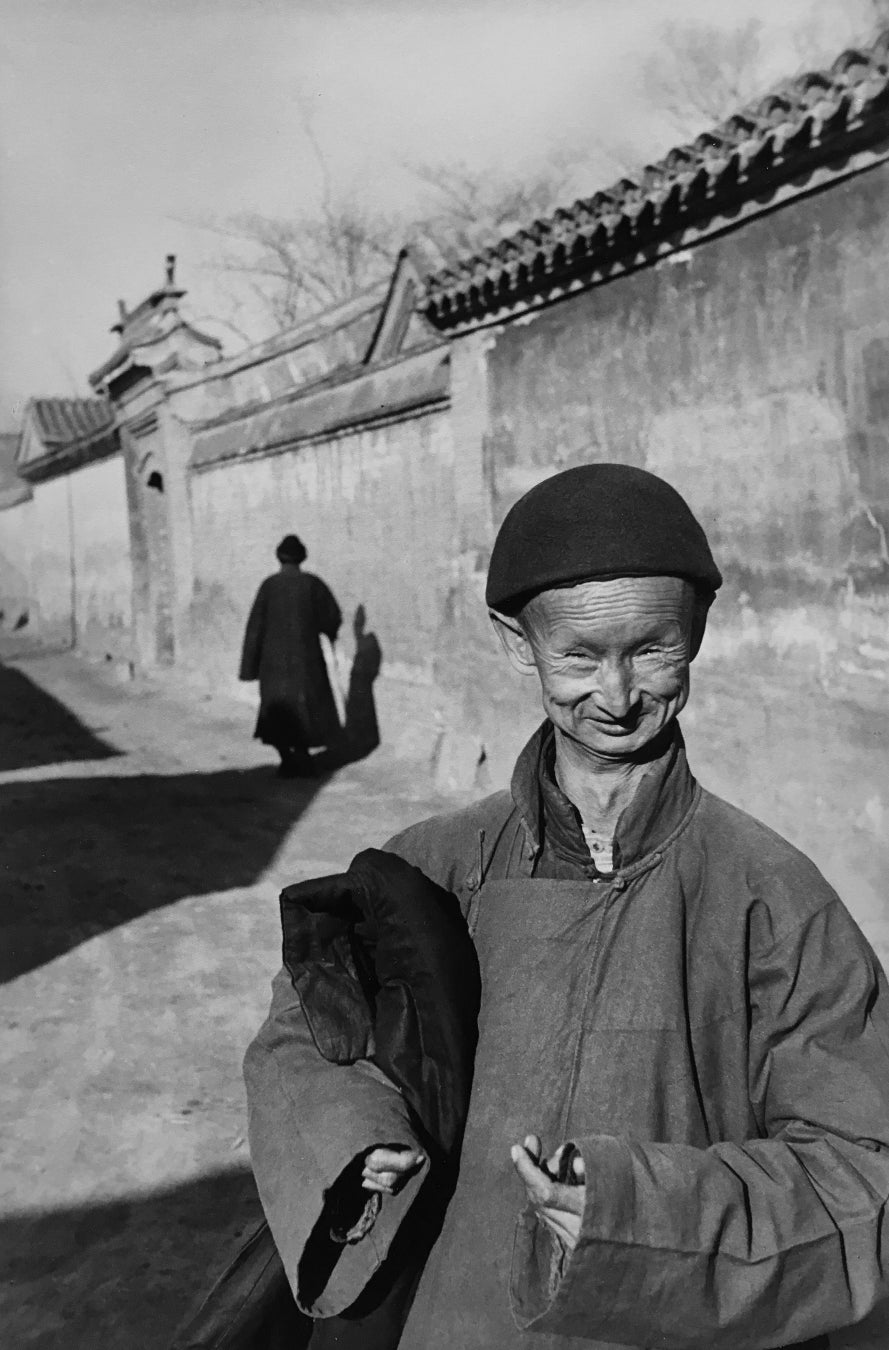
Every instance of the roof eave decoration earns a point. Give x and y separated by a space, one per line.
155 320
141 355
819 119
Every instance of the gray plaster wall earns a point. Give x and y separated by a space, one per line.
752 371
376 508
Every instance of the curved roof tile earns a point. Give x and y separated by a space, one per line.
61 421
803 123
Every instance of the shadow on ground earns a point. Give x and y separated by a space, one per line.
82 855
123 1274
362 732
36 729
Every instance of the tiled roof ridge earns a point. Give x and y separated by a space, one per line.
374 394
803 120
341 375
69 400
68 431
321 323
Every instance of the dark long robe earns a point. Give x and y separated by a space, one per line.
282 649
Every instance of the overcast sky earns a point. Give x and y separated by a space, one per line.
122 119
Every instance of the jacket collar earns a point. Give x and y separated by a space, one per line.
663 800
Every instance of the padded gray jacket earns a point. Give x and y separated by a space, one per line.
707 1025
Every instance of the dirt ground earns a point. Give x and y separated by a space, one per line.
144 840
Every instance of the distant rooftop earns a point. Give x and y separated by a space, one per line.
338 345
821 117
62 433
417 381
61 421
13 489
360 313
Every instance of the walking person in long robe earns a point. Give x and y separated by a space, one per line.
282 649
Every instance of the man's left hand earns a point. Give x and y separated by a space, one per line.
559 1203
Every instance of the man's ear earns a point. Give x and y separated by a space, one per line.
698 623
514 643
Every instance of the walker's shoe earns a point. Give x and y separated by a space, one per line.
297 765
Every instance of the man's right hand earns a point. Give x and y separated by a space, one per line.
388 1166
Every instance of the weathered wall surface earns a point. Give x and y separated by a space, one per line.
752 372
15 564
71 546
148 487
376 510
52 594
103 581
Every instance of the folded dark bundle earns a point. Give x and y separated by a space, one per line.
386 971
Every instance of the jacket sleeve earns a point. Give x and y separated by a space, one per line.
308 1119
252 648
751 1245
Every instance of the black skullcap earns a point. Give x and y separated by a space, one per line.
591 523
291 549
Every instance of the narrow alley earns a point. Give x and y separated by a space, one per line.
145 840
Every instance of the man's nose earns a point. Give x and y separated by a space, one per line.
616 693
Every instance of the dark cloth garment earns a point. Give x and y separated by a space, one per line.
386 972
592 522
708 1026
282 650
250 1306
382 979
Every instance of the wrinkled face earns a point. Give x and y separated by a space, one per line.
612 657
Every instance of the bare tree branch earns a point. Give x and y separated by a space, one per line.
465 210
241 334
308 129
878 14
699 74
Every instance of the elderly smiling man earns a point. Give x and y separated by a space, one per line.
678 1135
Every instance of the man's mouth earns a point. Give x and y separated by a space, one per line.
614 728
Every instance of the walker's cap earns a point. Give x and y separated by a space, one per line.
291 549
594 522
